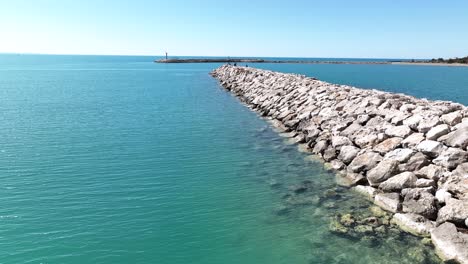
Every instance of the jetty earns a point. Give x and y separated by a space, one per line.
407 155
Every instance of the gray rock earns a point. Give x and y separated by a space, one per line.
416 162
329 154
398 182
414 224
337 165
430 147
419 201
427 123
455 211
398 131
437 132
348 153
451 157
450 244
340 141
366 139
413 121
320 147
401 155
413 140
431 171
388 145
349 179
388 201
457 182
380 173
452 118
365 161
459 138
351 129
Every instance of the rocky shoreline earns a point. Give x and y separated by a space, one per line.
408 155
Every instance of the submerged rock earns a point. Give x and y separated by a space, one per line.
388 201
414 224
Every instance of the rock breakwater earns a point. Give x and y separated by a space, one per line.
408 155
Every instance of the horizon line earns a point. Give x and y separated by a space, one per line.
142 55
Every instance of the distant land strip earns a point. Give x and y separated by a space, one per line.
396 62
266 61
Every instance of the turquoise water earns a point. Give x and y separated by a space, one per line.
119 160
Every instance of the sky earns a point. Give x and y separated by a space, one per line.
256 28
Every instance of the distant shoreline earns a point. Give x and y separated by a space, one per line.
431 64
214 60
266 61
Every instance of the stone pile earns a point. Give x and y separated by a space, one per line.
408 155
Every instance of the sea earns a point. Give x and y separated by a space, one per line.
117 159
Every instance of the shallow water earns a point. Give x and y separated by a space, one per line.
120 160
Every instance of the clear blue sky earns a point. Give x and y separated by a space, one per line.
283 28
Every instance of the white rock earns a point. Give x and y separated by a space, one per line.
413 140
414 224
398 182
388 201
443 196
430 147
398 131
367 191
437 132
450 244
400 154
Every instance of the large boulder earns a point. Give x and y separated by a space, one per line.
398 182
365 161
457 182
459 138
320 147
413 140
398 131
430 147
437 132
388 145
450 158
380 173
452 118
450 244
427 123
431 171
419 201
340 141
413 121
348 153
388 201
400 154
414 224
329 154
455 211
416 162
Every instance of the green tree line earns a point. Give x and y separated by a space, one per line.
451 60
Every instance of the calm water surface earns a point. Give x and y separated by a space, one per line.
119 160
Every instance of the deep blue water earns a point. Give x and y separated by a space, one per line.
109 159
